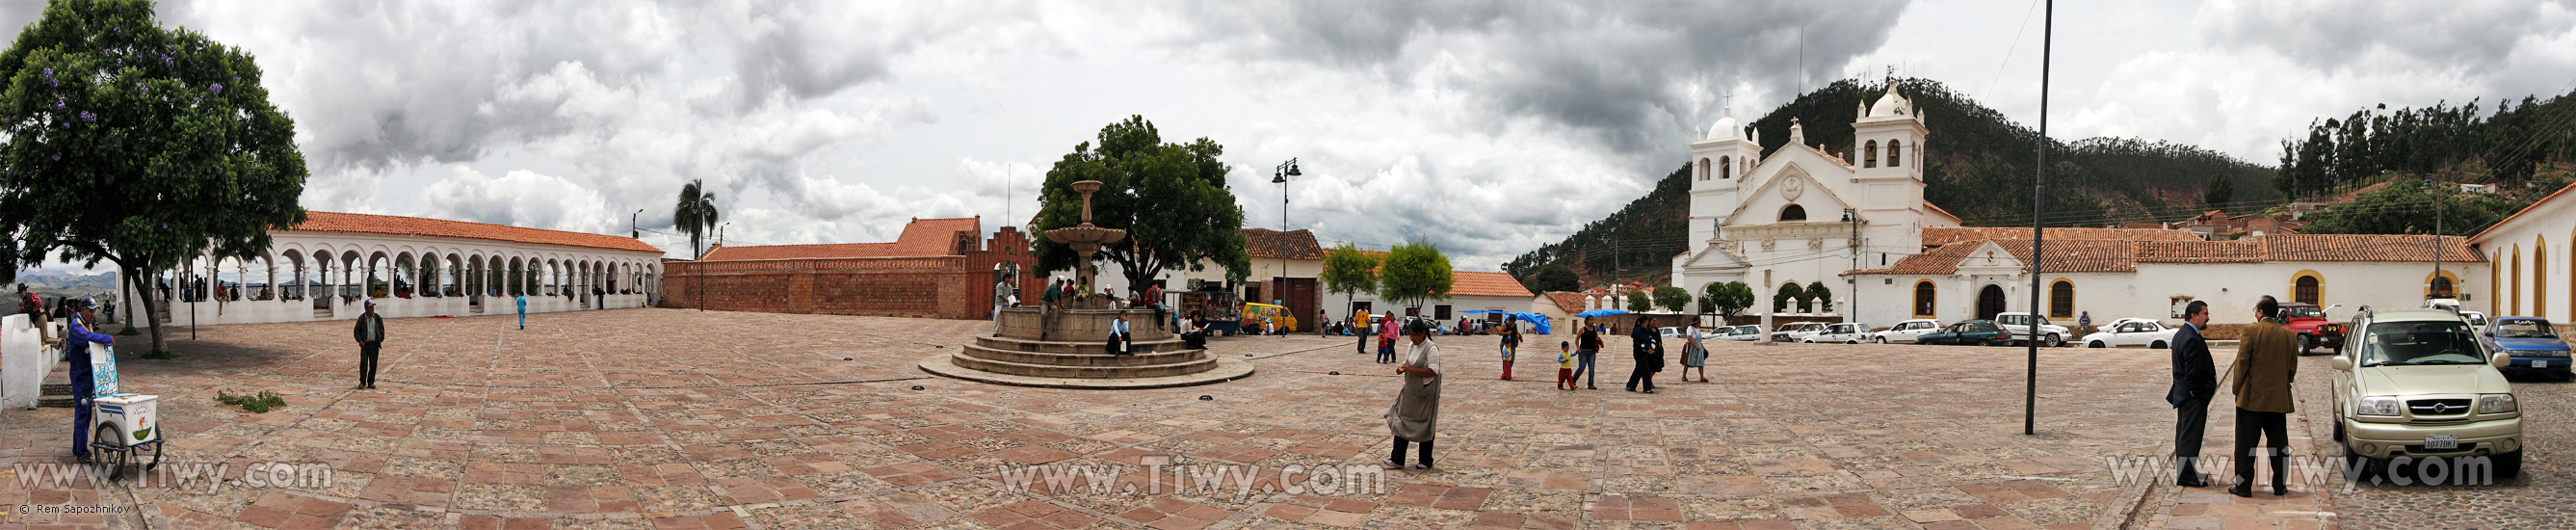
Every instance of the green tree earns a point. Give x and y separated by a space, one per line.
1641 302
1170 198
1415 272
1673 299
1822 296
1789 293
1725 299
1349 271
1553 277
2404 207
2221 191
126 142
695 214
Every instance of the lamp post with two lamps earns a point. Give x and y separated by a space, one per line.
1851 282
1279 175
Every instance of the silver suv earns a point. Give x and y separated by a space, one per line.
2018 324
2416 383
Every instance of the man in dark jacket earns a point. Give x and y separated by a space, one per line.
2195 379
1649 351
370 334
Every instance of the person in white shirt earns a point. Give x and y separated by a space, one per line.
1415 416
1118 340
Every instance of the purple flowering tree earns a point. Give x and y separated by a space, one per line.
131 143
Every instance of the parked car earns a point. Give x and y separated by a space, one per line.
1846 333
2475 319
2309 321
1982 332
2132 332
2018 324
1746 332
1797 332
1256 314
1669 332
2533 344
2417 384
1906 331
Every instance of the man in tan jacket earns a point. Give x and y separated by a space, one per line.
2267 360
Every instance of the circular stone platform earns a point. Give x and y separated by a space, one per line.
1069 350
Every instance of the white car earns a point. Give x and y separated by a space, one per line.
2132 332
1669 332
1905 332
1747 333
1846 333
2475 319
1797 332
2018 324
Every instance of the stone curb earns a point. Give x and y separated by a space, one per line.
1226 370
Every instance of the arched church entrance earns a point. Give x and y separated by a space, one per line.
1990 302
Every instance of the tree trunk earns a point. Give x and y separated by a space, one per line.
150 312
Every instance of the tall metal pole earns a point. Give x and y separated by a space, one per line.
2038 183
2437 235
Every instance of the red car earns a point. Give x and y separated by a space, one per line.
2309 321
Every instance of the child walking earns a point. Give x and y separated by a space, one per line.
1511 345
1564 365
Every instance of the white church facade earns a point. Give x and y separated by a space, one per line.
1857 223
1802 215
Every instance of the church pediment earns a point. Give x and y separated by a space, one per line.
1989 258
1790 184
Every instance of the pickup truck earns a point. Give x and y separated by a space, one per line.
2309 321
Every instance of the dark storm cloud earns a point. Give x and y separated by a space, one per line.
1628 74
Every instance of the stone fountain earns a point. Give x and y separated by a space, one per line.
1068 347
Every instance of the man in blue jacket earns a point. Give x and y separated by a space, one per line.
523 311
2195 380
1649 352
79 337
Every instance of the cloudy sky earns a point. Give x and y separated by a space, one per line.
1488 127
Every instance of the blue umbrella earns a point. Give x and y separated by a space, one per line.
1600 313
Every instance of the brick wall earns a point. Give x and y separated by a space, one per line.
954 287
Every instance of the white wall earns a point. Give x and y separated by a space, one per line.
2551 222
24 362
2231 289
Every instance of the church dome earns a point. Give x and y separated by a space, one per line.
1726 128
1891 104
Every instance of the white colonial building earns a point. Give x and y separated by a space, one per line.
2114 273
325 268
1803 215
2528 280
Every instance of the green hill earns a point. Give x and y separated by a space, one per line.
1978 166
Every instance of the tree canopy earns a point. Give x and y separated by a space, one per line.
1349 271
1641 302
1415 272
1552 277
1725 299
696 214
1823 296
139 145
2404 207
1170 198
1673 299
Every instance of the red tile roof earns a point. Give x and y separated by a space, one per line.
1569 302
1943 235
1472 283
2365 247
1273 244
359 223
920 238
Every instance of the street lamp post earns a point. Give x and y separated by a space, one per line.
1851 282
632 230
1279 175
2437 235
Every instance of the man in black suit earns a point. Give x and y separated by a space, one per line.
1649 353
2195 380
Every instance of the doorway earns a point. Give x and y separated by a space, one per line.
1990 302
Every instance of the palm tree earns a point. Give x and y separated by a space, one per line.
696 214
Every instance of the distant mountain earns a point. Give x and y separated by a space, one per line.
54 282
1978 166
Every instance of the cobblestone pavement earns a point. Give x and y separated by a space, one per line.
2543 497
677 419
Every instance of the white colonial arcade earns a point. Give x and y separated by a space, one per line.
412 267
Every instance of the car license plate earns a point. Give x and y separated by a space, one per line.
2540 364
2442 441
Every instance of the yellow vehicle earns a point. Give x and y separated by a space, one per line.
1254 314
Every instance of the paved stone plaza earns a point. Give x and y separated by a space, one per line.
677 419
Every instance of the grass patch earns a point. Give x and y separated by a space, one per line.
160 354
259 403
129 332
